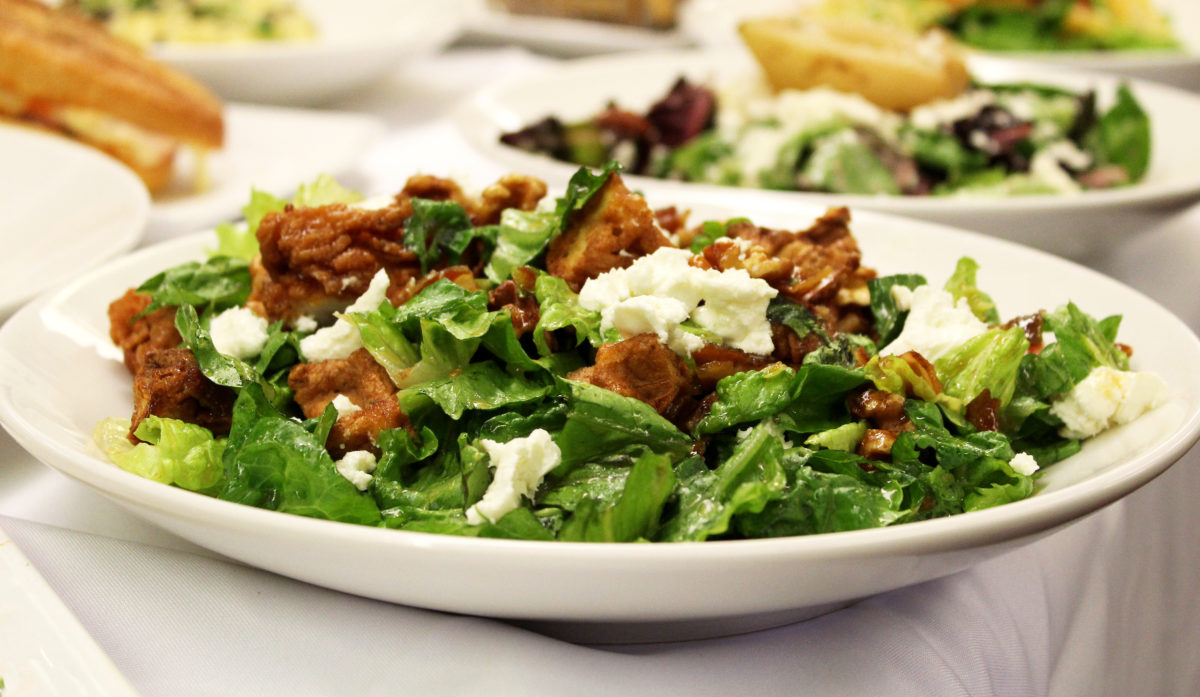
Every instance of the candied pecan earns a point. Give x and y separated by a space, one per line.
876 444
715 362
522 309
885 410
983 412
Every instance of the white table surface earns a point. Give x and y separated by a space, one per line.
1103 607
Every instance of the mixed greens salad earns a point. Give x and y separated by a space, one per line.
875 401
999 139
1017 25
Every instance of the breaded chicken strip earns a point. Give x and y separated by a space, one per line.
615 227
137 337
365 383
644 368
169 384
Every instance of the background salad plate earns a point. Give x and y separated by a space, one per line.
60 375
713 23
266 148
356 43
64 208
1066 224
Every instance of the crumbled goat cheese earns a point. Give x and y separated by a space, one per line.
658 292
1023 463
305 324
1107 397
344 406
936 323
357 467
520 465
933 115
238 332
341 339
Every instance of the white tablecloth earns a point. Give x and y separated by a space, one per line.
1103 607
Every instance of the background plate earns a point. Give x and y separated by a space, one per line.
714 23
611 591
358 42
1069 225
64 208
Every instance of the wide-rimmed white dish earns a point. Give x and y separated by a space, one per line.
60 374
43 648
357 42
713 23
1066 224
266 148
64 208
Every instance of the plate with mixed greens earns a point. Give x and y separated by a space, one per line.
581 408
1150 39
1048 158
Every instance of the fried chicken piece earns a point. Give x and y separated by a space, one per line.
169 384
510 191
317 260
644 368
823 257
615 227
365 383
137 337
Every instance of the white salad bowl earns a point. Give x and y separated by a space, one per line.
60 375
356 43
1067 224
713 23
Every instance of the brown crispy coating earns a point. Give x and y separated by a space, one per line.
644 368
137 337
317 260
615 227
169 384
365 383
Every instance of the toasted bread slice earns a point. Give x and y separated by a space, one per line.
67 73
892 68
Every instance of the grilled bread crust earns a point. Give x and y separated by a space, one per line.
52 57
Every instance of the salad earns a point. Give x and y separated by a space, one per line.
1001 139
587 368
1024 25
144 22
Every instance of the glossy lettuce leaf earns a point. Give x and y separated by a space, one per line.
624 505
211 286
434 228
600 424
1122 136
744 482
961 284
520 237
559 309
990 361
171 452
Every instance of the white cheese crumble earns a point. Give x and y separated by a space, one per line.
520 465
344 406
305 323
238 332
658 292
357 467
341 338
935 114
936 323
1046 166
1023 463
1107 397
